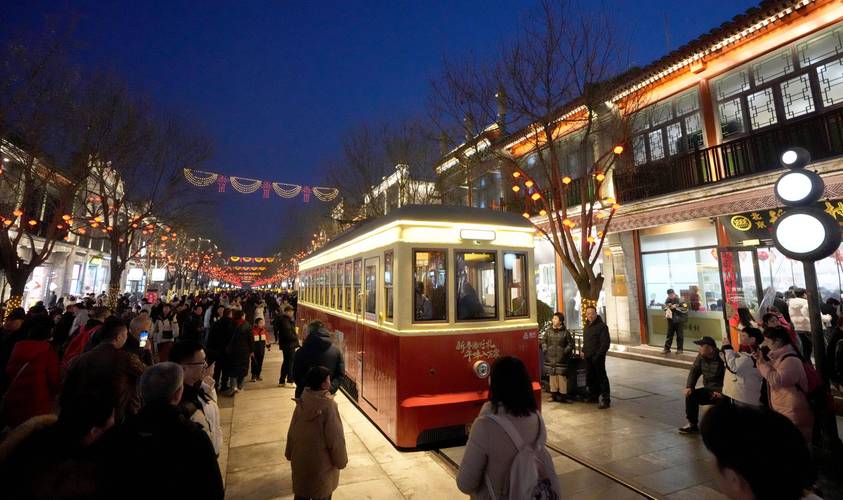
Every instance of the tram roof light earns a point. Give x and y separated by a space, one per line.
795 158
477 234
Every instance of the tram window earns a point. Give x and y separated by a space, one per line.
323 285
476 285
348 286
331 282
515 284
358 277
371 287
430 281
334 285
387 283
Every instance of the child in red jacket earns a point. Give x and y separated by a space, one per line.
260 343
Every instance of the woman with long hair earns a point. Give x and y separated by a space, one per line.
508 420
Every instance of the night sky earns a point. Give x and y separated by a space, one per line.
276 84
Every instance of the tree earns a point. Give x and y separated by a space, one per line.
557 82
400 151
47 129
136 193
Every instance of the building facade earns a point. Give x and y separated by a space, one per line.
695 188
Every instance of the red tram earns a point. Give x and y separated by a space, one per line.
420 302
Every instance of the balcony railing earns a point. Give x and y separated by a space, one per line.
572 197
759 152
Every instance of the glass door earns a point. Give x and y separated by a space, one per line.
741 279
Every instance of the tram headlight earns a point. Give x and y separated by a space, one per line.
482 369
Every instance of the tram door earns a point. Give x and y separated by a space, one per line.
741 278
369 356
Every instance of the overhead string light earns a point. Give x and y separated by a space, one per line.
245 185
286 190
200 178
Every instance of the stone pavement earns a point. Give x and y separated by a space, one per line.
255 424
635 440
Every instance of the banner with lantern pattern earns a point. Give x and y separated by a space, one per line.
245 185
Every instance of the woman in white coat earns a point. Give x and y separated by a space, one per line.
489 455
743 381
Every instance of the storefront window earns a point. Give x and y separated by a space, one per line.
476 278
515 285
573 297
683 257
430 282
546 273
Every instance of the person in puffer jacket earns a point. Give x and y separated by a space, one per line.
317 350
801 319
315 439
557 344
33 371
787 381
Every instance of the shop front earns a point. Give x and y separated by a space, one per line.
720 265
682 257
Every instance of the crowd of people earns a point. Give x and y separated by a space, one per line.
94 399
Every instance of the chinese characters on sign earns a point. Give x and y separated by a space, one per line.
473 350
759 224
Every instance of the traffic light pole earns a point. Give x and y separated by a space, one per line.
827 420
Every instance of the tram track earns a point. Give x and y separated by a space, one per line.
453 467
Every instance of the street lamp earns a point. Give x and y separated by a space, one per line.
807 234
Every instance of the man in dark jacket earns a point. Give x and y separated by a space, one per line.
108 363
238 353
193 326
288 341
182 457
676 313
595 345
218 340
710 366
317 350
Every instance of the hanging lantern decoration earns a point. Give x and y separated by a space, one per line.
221 181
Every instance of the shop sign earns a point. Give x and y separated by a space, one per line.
759 224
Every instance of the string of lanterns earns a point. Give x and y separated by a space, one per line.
245 185
235 258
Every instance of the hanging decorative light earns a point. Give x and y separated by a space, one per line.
200 178
325 194
244 185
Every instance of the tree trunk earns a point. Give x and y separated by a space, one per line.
590 293
17 282
114 282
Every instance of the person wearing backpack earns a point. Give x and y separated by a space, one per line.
787 381
505 457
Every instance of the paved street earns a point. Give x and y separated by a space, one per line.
254 467
635 440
